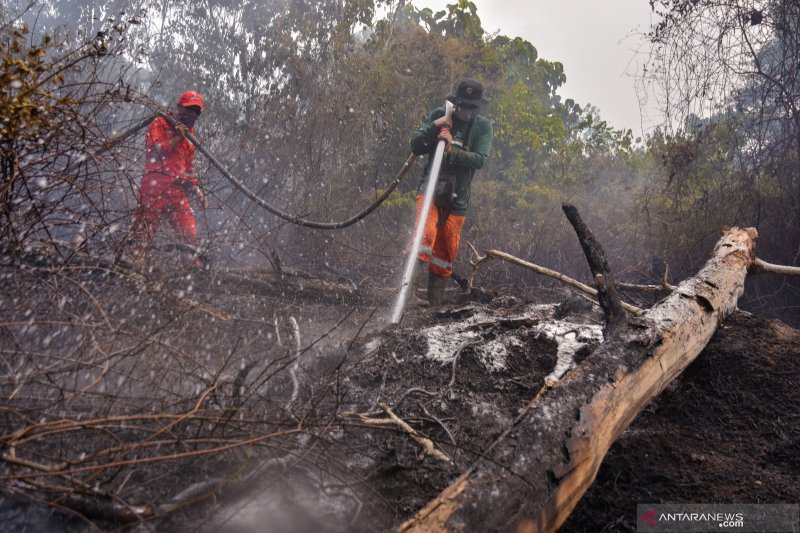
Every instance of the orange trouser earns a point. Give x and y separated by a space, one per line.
439 245
163 197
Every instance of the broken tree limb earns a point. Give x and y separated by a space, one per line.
468 284
555 275
474 263
762 267
293 369
537 471
607 290
636 287
426 444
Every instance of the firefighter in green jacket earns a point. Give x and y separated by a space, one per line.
469 138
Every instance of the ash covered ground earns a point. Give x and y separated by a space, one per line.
726 431
723 432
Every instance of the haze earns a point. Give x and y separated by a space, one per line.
600 45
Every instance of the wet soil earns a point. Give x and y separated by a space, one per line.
461 407
726 431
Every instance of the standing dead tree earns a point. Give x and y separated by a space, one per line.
536 472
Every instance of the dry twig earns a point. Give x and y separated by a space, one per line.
555 275
427 445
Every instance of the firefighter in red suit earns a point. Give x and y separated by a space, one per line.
169 176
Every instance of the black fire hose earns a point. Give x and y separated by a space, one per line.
282 214
115 141
253 196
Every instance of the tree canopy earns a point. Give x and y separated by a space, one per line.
312 104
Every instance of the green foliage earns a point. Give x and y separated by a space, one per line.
460 20
27 91
313 103
703 187
729 71
53 102
400 200
28 101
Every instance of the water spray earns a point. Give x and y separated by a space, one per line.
411 261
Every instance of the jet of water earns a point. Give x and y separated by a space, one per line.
411 261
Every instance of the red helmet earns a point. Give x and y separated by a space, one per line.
190 98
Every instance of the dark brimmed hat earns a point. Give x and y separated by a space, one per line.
469 91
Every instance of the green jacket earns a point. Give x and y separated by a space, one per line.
463 162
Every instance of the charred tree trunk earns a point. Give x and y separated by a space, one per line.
537 471
607 290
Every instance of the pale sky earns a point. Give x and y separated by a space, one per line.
598 41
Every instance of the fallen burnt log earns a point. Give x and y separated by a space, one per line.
536 472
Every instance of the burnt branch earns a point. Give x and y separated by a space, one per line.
541 466
607 290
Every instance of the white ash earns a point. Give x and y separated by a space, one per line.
570 338
445 341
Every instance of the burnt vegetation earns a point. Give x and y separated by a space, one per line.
130 394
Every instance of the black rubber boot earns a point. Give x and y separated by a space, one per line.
412 298
436 285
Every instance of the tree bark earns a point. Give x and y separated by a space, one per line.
607 290
536 472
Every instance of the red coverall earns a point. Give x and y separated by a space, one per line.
163 189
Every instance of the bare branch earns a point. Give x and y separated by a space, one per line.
762 267
555 275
